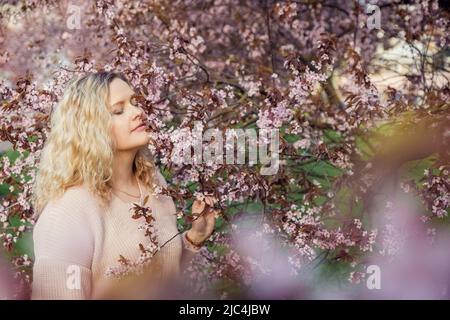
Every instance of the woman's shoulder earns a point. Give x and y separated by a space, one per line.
75 202
79 191
65 228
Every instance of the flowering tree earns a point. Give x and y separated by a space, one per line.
358 93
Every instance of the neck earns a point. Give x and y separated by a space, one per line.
123 176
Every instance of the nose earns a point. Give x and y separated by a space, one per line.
139 112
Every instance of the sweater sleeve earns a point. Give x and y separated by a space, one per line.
63 245
188 253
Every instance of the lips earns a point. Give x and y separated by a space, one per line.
139 126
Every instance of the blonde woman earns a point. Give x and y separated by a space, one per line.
94 166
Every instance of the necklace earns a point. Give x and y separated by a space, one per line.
131 195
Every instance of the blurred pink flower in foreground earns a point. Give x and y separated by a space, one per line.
419 266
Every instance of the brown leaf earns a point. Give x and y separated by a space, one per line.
136 215
123 260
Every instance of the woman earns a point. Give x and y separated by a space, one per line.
94 166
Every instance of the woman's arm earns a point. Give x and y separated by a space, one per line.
189 251
63 245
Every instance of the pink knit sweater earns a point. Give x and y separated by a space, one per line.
75 241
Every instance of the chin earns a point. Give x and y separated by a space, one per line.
138 140
144 141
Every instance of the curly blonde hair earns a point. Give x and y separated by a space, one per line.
80 148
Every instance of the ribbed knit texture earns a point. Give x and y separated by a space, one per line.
74 232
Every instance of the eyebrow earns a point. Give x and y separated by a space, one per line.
122 100
118 103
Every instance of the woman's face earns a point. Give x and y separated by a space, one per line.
128 128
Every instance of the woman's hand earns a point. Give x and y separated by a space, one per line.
203 220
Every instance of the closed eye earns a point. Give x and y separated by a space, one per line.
117 108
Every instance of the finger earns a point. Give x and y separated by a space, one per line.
210 216
215 213
209 201
211 220
198 207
